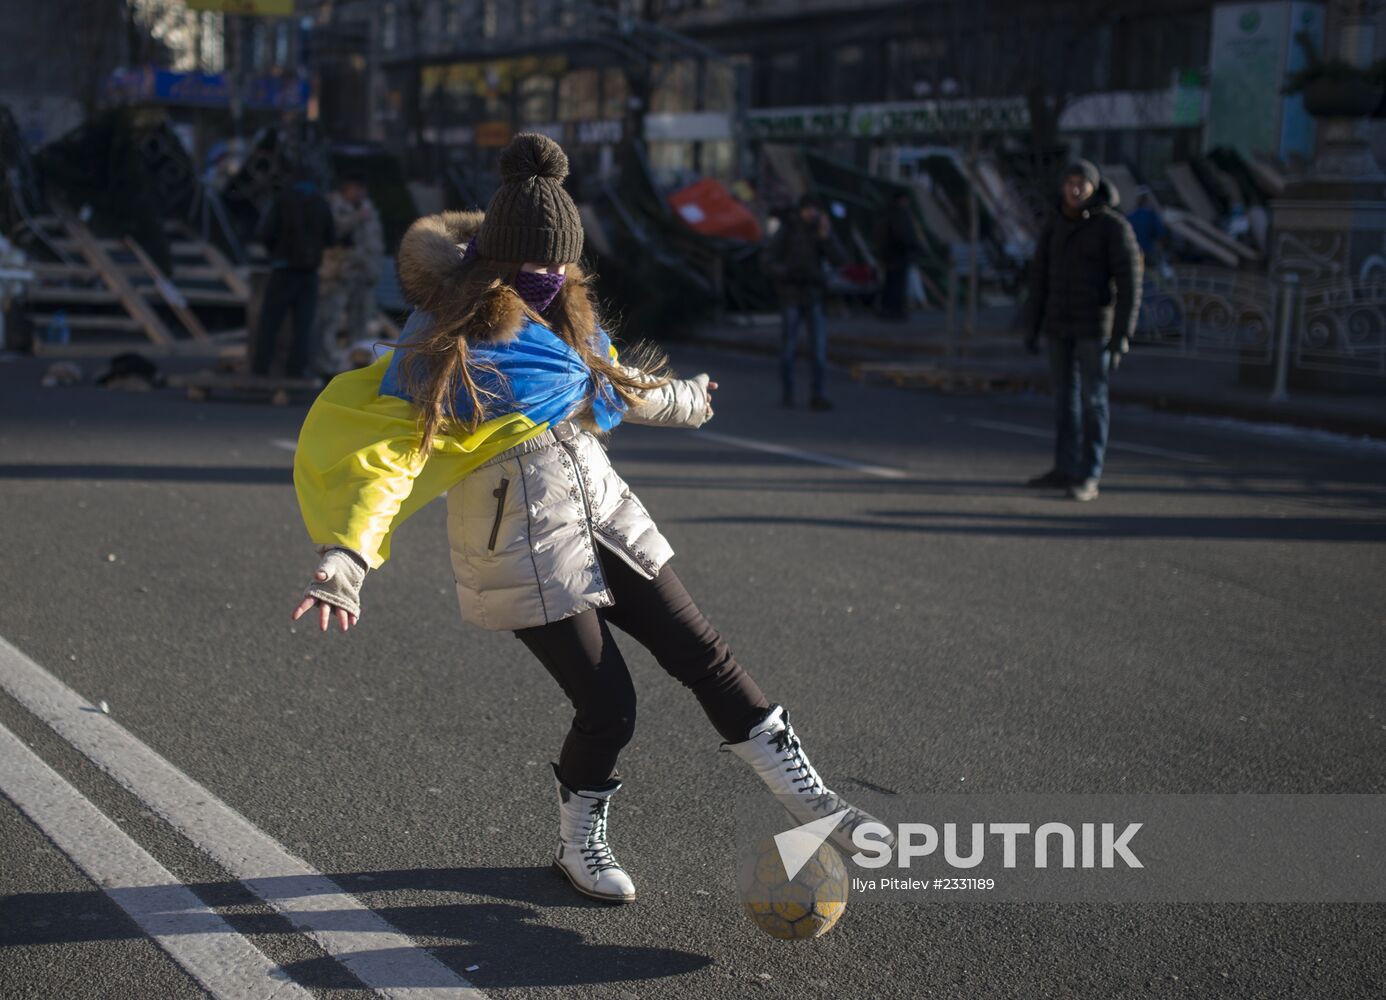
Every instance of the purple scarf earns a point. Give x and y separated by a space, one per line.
538 290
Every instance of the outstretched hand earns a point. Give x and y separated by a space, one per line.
710 387
336 586
345 619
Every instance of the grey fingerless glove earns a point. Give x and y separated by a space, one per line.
345 572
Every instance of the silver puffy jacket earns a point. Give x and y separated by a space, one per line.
525 526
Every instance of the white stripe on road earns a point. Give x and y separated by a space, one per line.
1139 449
885 472
206 946
378 954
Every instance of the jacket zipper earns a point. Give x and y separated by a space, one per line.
499 494
582 488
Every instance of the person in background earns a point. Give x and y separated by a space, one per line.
794 259
897 242
349 271
295 231
1152 235
1085 293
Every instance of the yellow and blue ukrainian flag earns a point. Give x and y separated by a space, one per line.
358 472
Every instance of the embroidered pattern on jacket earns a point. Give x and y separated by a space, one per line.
640 555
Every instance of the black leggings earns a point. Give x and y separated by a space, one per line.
581 654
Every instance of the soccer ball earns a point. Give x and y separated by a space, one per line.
806 906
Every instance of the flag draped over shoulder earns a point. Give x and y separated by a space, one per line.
358 472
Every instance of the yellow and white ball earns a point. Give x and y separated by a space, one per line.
806 906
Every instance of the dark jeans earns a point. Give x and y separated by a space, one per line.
810 313
287 289
1080 368
582 656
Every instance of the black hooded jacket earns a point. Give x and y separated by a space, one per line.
1085 280
795 256
297 228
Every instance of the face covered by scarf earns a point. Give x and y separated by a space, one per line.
538 290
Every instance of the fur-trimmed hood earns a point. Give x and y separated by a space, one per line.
430 270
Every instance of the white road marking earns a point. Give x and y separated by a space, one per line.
885 472
775 449
1139 449
197 938
377 953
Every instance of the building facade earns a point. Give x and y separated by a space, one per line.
707 83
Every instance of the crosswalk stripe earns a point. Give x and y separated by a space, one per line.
208 948
378 954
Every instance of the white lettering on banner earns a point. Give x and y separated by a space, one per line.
919 840
897 118
1065 833
1111 847
599 131
950 846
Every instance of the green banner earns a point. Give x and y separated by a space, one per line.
920 118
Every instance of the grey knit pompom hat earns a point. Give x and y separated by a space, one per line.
530 218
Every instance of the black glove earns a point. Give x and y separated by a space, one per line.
1032 343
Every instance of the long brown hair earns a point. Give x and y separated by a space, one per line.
439 366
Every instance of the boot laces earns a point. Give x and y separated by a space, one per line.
802 774
596 853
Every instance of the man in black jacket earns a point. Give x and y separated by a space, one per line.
794 261
1085 291
296 230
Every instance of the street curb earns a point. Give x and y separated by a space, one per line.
1264 413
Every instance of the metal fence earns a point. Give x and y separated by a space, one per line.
1252 319
1342 328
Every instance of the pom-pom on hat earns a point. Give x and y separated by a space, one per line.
531 218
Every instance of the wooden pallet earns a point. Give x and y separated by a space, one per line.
109 287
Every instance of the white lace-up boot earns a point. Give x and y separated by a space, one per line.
773 750
583 855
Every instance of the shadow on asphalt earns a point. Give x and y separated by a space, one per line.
1084 525
268 475
500 932
1257 486
1260 483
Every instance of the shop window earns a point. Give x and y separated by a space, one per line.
671 163
213 51
675 86
717 158
462 17
853 75
536 100
719 83
615 91
282 39
915 67
577 95
259 46
389 27
784 83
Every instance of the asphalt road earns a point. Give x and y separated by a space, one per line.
1213 623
